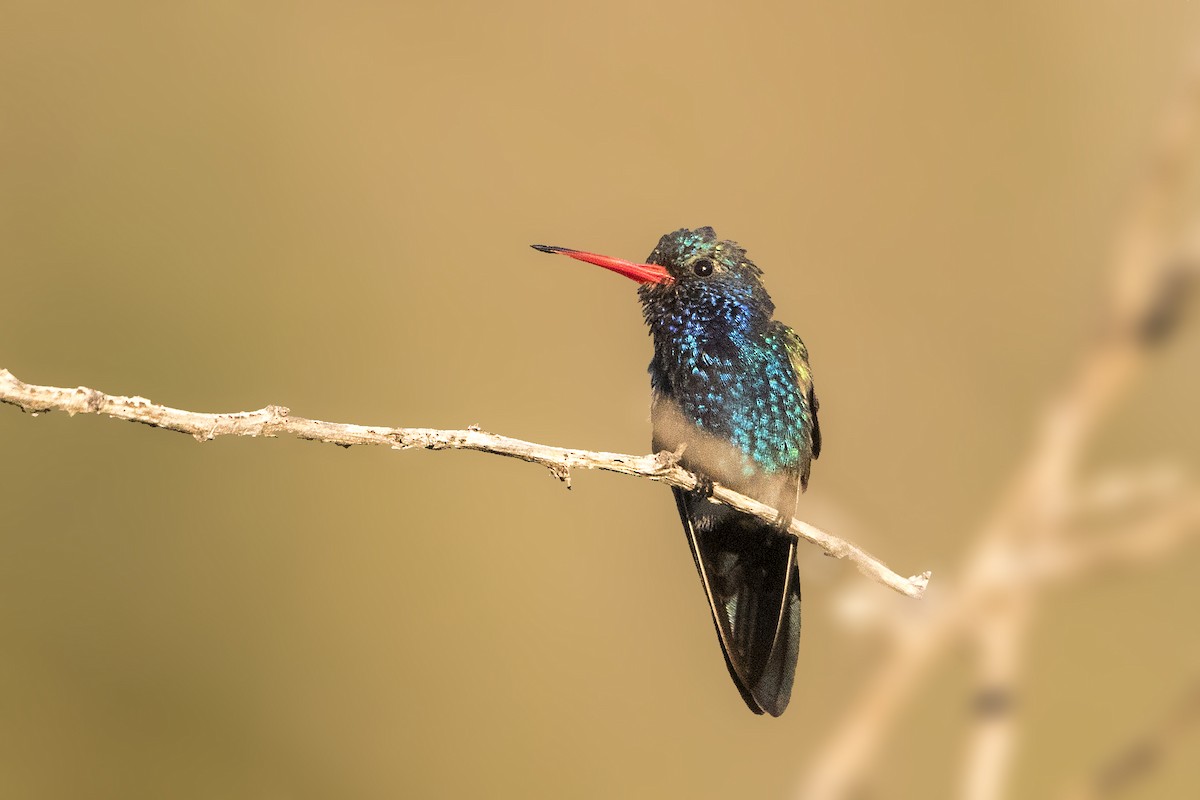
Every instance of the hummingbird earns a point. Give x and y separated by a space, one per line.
732 392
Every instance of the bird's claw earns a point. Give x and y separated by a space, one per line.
782 522
704 487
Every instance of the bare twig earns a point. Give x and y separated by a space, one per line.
275 420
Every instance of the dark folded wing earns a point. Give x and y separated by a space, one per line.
749 573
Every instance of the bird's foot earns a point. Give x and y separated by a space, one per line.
782 522
704 487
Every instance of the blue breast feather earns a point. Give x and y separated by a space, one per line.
739 387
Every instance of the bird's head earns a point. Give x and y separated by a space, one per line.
690 272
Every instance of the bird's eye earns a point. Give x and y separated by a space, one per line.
703 267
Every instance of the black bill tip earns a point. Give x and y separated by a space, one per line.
545 248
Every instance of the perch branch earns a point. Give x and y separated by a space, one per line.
276 420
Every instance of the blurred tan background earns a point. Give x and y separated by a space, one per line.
225 205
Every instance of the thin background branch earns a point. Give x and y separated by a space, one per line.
993 606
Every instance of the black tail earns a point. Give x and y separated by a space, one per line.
749 573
